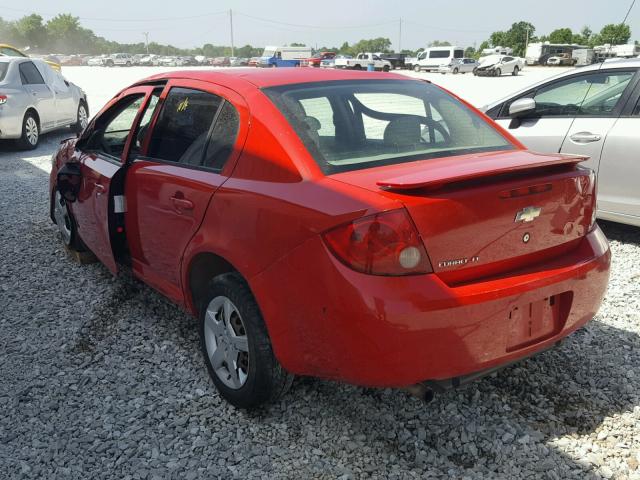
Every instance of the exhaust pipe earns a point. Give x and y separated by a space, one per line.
421 391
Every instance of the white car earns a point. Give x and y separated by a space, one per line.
97 61
362 62
459 65
121 60
592 111
36 99
497 65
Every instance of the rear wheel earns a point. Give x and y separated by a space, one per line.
30 132
416 68
385 68
455 71
357 67
515 71
236 345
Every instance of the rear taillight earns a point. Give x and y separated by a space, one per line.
3 99
381 244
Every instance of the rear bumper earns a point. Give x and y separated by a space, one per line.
10 123
328 321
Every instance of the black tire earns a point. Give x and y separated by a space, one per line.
78 127
455 71
475 72
30 127
266 381
109 63
128 64
385 68
66 223
497 72
357 67
416 68
515 71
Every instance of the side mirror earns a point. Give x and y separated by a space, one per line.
522 107
68 181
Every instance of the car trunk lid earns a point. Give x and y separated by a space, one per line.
483 215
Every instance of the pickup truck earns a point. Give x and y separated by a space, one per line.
362 61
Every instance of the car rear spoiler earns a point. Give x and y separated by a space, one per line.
438 172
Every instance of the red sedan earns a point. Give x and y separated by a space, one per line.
361 227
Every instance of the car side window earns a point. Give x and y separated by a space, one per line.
181 131
143 127
223 137
29 74
592 94
111 130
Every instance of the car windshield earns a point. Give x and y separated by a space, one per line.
351 125
269 53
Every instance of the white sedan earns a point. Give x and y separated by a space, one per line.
497 65
35 99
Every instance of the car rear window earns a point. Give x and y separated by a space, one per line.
4 67
351 125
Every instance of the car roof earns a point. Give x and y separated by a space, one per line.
611 64
270 77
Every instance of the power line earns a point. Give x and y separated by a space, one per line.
337 27
628 11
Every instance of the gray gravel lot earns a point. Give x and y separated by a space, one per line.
102 377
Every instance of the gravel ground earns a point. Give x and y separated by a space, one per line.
102 378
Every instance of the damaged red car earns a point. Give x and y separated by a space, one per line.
365 228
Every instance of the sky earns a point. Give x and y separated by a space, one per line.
191 23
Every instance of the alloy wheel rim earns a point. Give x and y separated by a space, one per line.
63 220
82 116
31 128
226 342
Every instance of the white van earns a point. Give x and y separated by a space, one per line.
432 58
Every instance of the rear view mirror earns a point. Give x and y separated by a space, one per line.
68 181
522 107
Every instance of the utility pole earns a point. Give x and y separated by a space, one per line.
400 36
231 30
146 40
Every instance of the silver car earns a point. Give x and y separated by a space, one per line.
592 111
459 65
35 99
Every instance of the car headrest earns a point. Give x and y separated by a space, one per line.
313 123
402 132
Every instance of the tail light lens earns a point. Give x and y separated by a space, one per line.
381 244
3 99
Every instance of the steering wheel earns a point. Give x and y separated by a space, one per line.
431 123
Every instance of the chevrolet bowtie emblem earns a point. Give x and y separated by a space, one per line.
528 214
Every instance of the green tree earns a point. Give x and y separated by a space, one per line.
379 44
295 44
561 35
32 31
470 52
515 37
614 34
438 43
